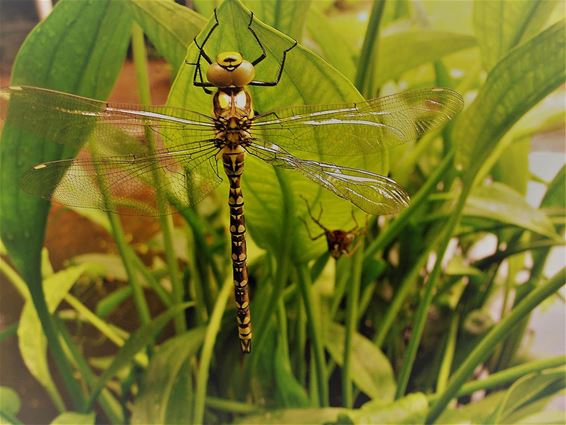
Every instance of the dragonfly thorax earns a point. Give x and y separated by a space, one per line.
232 116
230 70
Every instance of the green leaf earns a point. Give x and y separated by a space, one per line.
500 203
370 369
517 83
74 418
473 413
511 167
31 340
170 27
290 392
521 399
166 394
406 50
287 16
261 188
294 416
554 196
501 25
138 340
411 409
335 48
10 402
79 48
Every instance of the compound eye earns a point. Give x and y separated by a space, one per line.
243 74
218 76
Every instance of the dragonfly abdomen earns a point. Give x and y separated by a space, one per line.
233 160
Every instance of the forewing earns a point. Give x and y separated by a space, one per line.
68 119
359 128
371 192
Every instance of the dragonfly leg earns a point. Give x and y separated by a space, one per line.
202 53
312 238
263 54
279 72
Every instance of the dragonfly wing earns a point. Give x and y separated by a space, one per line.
68 119
359 128
371 192
186 175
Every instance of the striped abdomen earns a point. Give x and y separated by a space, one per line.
233 160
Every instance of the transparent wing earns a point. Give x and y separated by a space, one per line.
371 192
68 119
127 145
359 128
187 174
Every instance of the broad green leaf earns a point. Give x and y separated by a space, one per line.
548 417
288 17
370 369
166 394
521 399
294 416
554 196
511 167
10 402
411 409
306 79
473 413
335 48
31 340
405 50
138 340
501 25
206 7
109 266
170 27
79 49
74 418
517 83
500 203
290 393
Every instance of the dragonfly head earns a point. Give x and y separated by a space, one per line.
230 69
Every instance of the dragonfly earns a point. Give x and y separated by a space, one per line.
128 145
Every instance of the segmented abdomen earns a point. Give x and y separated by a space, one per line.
234 166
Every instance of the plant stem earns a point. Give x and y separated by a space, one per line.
313 323
165 219
395 227
368 57
283 261
206 356
351 324
505 376
448 357
231 406
492 339
63 365
420 319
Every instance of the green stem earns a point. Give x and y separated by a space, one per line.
492 339
231 406
107 402
395 227
313 323
166 221
368 58
401 295
51 334
351 325
283 261
506 376
209 340
422 311
448 357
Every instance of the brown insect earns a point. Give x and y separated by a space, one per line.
339 242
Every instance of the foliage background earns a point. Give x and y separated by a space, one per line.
389 335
